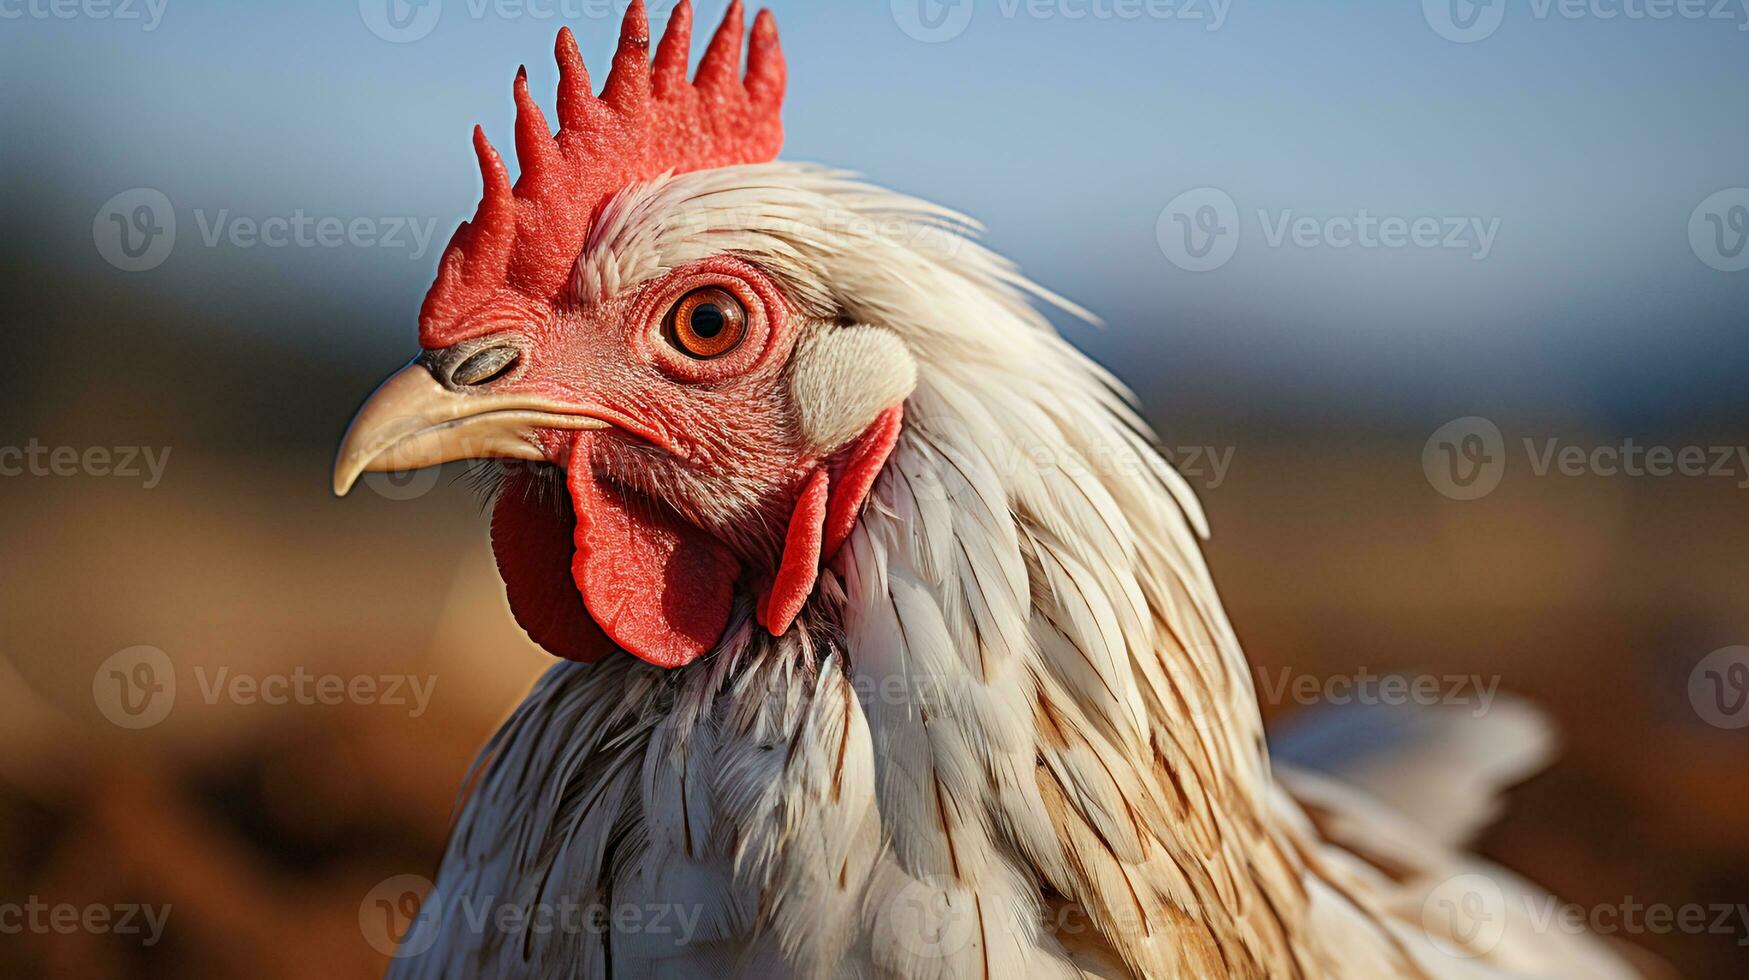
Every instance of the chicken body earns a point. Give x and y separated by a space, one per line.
1009 734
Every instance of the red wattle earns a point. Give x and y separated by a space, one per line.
531 538
799 568
855 477
658 586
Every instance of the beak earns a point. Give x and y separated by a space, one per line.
413 421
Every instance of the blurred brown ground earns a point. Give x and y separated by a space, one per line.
266 828
270 829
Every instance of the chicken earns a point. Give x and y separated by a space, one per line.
887 647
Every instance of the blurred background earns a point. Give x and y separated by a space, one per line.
1375 270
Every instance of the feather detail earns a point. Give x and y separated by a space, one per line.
1013 734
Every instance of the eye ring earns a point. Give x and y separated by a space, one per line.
707 323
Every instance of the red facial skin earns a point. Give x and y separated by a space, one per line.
710 438
705 457
695 491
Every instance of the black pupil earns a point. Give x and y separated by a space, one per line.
707 320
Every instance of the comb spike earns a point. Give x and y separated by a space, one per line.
536 152
493 174
674 51
766 70
723 57
493 230
522 244
628 85
574 91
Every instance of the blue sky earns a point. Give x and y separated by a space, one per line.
1585 137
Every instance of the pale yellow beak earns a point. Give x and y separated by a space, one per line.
412 421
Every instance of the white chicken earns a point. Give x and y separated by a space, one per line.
890 651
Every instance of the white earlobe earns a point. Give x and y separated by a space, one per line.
843 377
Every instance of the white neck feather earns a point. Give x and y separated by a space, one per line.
1013 732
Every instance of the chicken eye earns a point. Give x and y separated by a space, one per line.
707 323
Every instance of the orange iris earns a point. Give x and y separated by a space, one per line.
707 323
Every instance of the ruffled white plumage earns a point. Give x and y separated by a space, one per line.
1013 733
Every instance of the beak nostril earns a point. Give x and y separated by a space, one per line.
484 366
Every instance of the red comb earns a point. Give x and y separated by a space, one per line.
523 240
